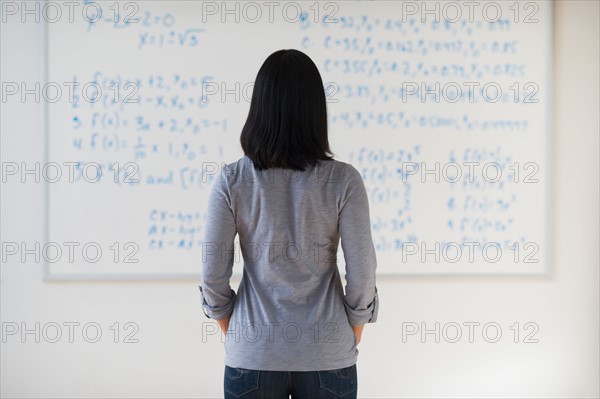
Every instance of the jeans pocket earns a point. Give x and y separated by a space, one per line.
240 382
340 382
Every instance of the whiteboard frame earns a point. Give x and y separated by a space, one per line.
547 274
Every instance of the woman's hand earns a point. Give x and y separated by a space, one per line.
224 324
358 332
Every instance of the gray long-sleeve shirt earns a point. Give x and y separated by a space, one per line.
290 312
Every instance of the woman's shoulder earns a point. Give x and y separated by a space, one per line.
346 170
232 167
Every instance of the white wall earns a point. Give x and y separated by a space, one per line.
172 361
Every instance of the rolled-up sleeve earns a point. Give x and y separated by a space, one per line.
217 296
361 299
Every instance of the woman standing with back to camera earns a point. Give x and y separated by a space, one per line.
290 328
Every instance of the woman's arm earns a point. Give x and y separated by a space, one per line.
358 332
361 299
224 324
218 253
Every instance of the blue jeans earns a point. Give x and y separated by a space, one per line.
255 384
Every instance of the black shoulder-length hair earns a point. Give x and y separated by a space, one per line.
287 122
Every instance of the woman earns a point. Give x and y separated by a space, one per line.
290 328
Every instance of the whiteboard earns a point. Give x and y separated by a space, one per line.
447 120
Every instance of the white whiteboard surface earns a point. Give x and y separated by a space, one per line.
369 54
